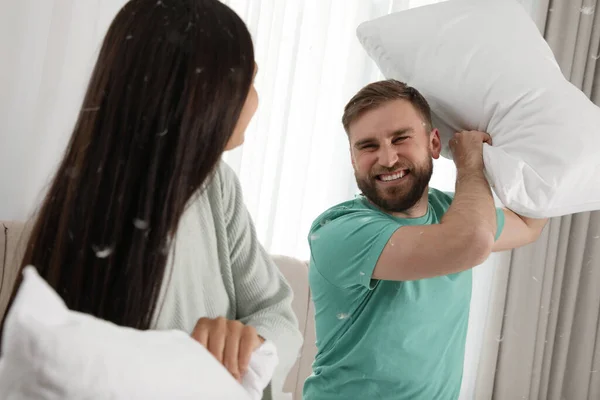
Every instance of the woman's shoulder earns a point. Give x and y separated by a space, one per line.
224 178
221 193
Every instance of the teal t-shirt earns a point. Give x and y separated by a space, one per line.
382 339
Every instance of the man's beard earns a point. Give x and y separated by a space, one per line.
394 198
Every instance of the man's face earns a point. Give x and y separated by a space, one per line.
392 154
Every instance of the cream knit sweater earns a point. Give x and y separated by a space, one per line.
218 268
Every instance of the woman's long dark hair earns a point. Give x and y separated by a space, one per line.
167 90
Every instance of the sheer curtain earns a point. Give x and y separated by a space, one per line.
295 162
48 48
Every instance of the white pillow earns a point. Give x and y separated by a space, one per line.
49 352
483 65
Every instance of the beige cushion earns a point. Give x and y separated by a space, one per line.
12 246
296 273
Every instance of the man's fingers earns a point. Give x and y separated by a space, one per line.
469 135
487 139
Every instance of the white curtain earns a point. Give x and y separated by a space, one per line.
295 162
47 51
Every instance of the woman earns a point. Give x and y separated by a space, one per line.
143 225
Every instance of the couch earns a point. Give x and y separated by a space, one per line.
12 245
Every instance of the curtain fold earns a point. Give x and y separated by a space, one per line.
542 338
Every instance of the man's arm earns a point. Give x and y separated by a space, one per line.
462 240
464 237
518 231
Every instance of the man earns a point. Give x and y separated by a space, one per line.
390 271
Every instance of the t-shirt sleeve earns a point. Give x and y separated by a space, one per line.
499 222
345 250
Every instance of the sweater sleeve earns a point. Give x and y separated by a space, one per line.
263 297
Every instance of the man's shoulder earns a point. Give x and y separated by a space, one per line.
356 207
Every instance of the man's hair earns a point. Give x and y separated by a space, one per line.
378 93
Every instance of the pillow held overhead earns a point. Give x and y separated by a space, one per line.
483 65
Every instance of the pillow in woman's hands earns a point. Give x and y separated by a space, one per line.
483 65
50 352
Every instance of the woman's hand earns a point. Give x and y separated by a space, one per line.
231 342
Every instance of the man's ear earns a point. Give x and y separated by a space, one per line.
435 143
350 151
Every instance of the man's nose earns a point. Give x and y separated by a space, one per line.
388 157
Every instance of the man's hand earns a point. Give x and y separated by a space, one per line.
467 149
231 342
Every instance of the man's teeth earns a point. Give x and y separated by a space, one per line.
387 178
